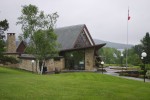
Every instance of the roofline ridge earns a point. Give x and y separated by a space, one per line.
70 26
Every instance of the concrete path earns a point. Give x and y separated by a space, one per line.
113 73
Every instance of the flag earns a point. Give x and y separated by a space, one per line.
128 15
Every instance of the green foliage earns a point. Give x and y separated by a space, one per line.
133 55
4 25
148 74
2 44
147 66
45 42
133 58
20 85
10 59
141 72
38 27
138 49
110 55
33 20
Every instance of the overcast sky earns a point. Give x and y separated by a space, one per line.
105 19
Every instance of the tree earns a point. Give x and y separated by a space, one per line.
38 27
138 49
110 55
134 55
4 25
146 46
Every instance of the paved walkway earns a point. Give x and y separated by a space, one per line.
113 73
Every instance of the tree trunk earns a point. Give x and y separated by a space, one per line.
43 64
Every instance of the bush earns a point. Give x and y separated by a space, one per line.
141 72
148 74
147 66
9 59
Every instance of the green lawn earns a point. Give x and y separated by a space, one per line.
21 85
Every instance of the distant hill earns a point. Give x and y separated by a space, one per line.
113 45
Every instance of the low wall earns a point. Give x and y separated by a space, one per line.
51 64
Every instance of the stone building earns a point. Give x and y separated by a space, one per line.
77 52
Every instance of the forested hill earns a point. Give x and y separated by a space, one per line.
112 44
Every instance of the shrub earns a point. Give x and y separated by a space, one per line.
148 74
147 66
141 72
9 59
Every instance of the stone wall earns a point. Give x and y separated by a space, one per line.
89 59
60 64
50 64
27 65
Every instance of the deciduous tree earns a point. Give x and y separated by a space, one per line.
38 27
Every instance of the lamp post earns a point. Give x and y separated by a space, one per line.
143 56
121 61
102 63
32 61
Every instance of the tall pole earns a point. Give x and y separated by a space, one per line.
127 41
127 48
144 54
144 70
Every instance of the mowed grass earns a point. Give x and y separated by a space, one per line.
21 85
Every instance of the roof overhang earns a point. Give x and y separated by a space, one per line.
97 46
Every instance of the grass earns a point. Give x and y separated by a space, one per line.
21 85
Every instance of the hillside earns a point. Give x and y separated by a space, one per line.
112 44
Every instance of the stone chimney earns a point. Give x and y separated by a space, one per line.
11 43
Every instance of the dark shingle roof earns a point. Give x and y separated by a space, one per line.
68 35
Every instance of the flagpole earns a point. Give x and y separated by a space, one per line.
127 48
127 40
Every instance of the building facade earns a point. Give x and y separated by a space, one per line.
77 52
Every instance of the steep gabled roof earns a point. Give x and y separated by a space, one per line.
67 36
71 36
21 47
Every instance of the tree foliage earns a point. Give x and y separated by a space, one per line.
44 44
146 46
134 53
133 56
38 28
110 55
4 25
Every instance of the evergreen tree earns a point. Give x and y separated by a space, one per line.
146 46
4 25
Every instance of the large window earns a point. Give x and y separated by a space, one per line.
75 60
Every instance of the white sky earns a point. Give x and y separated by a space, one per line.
105 19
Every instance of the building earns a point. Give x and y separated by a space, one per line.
77 52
